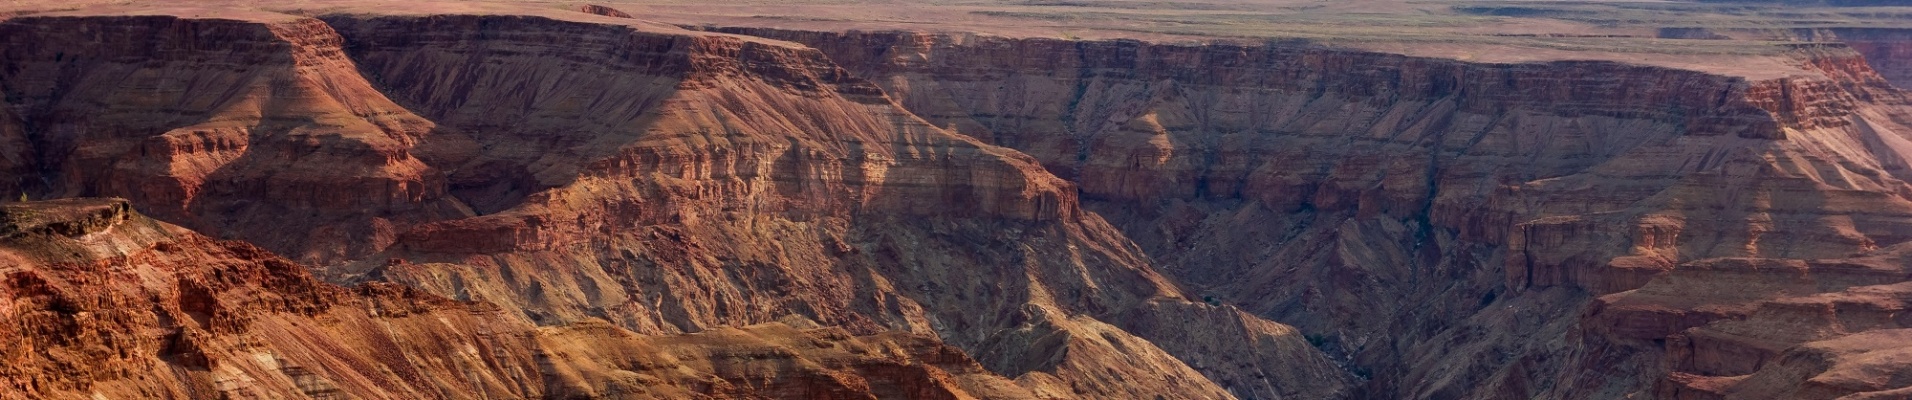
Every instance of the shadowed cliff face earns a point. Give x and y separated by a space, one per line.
561 203
232 127
724 180
1443 225
571 169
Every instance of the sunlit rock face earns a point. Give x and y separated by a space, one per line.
496 201
607 177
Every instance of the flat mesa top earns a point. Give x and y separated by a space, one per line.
1745 39
287 11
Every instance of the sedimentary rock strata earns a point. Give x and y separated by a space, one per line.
572 169
1421 213
488 200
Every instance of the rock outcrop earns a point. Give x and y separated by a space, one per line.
723 180
571 168
1487 203
573 202
1886 49
603 10
239 128
100 301
1771 328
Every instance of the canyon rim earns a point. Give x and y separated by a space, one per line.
956 199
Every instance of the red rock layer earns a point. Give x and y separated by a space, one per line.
233 127
1884 49
1887 50
604 11
1771 328
101 302
574 168
1484 202
722 180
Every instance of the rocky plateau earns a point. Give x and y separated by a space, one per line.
501 200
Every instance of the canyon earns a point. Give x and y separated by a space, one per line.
652 200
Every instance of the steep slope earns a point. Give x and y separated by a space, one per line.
572 168
103 302
1439 223
17 158
713 180
1887 50
1755 328
232 126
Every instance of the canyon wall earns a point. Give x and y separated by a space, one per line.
572 169
1888 50
1885 49
540 202
226 126
103 302
1442 224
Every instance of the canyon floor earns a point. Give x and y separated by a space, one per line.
956 199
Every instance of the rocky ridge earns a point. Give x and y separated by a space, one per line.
571 168
226 126
641 204
103 302
1489 204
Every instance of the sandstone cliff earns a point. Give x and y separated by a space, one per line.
233 127
1757 328
572 202
1886 49
572 168
1439 223
103 302
724 180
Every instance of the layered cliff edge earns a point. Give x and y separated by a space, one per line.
1513 216
603 187
571 168
101 301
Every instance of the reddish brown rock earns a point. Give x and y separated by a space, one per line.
100 301
1315 185
239 128
761 181
572 168
1886 50
602 10
1445 229
1758 328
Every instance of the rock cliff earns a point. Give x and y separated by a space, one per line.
487 200
239 128
1886 49
100 301
1770 328
722 180
1438 223
571 168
